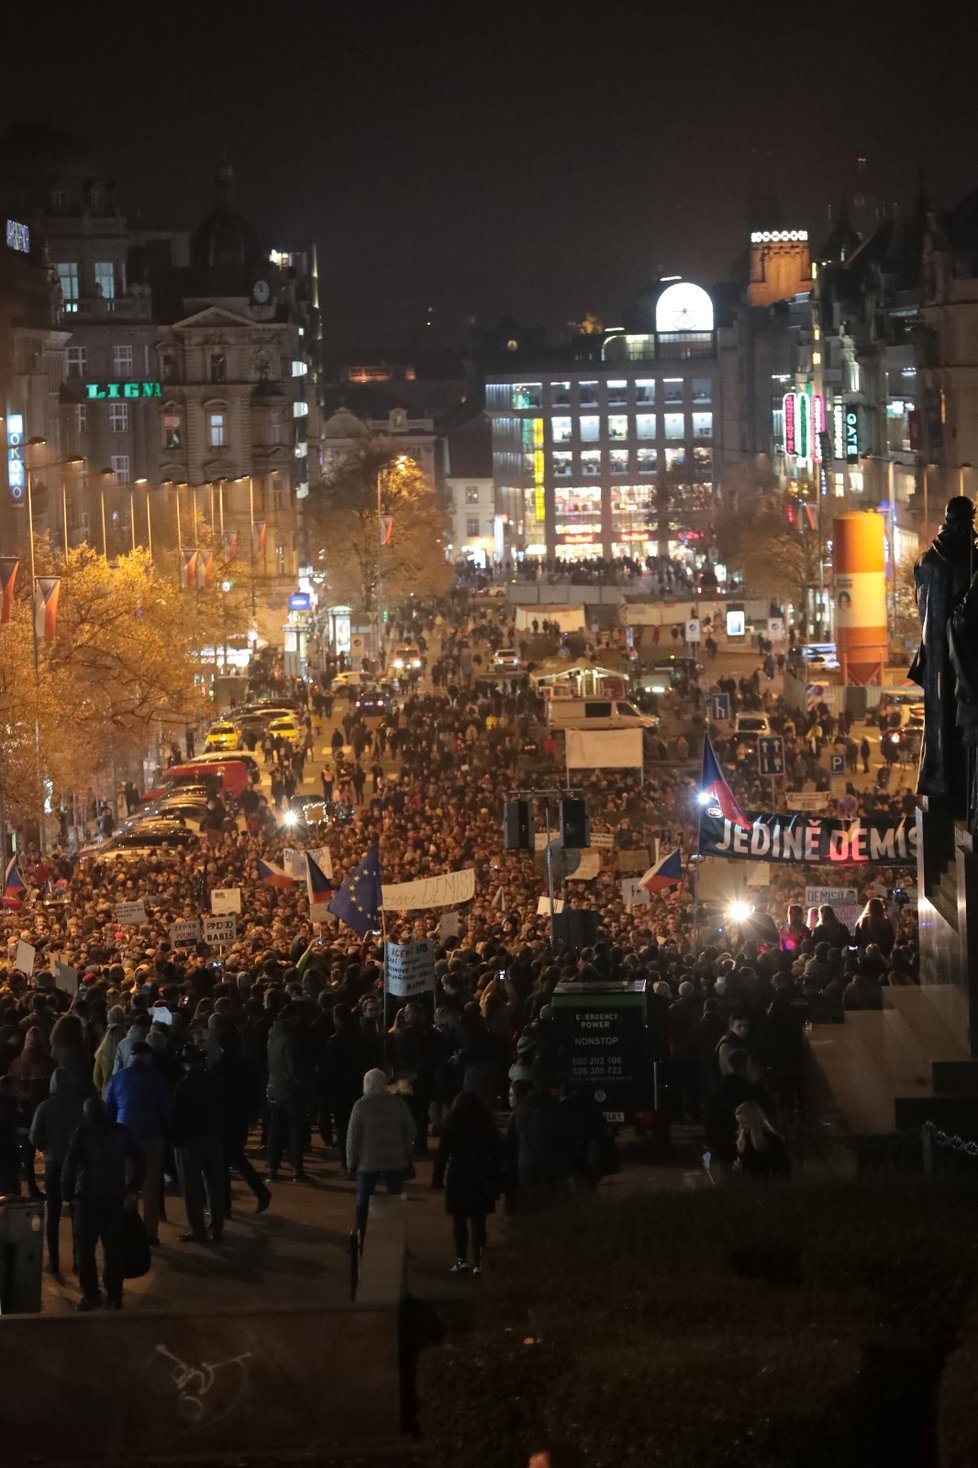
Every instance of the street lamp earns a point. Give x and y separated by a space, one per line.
144 484
961 473
251 534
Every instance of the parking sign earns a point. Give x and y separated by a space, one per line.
837 764
770 755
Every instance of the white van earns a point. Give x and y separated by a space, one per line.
597 713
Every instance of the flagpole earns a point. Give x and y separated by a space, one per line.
383 933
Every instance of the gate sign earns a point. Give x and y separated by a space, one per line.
720 706
770 755
217 931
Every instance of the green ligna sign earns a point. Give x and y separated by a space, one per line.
123 390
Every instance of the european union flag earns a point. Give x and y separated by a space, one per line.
358 901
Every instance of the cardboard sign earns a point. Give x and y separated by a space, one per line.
602 840
186 933
588 867
130 914
217 931
634 861
543 906
448 927
410 968
24 957
633 894
66 978
294 862
225 899
806 800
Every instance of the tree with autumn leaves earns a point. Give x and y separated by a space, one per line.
120 673
375 519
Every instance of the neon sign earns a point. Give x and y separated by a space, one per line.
804 428
123 389
789 423
777 236
818 425
851 428
838 432
16 478
18 237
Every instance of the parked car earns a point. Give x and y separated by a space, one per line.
140 839
286 728
223 736
508 658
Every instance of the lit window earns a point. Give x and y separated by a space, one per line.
68 280
617 393
675 425
81 417
472 525
591 463
118 417
589 429
526 395
645 390
120 468
702 425
647 461
122 361
472 494
588 394
560 429
560 394
703 464
645 425
172 435
217 430
76 361
702 390
618 426
218 367
299 368
672 389
300 409
105 279
562 461
618 459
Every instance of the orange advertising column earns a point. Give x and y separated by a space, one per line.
859 575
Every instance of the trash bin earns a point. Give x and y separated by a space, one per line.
21 1250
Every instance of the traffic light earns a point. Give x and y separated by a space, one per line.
517 826
575 828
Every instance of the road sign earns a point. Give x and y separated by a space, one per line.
837 764
693 629
719 706
770 755
775 629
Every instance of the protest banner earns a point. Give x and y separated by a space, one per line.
130 914
788 838
410 968
445 891
831 896
225 899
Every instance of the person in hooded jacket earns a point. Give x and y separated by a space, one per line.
469 1166
54 1124
378 1142
139 1099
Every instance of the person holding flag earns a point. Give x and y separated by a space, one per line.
666 875
715 790
358 901
14 887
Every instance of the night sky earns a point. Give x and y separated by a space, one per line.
538 159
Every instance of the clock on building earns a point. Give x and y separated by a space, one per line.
261 291
684 307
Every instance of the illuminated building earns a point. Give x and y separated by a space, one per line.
608 449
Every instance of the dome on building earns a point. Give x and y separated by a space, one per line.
343 424
225 243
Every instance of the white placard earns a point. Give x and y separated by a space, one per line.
543 906
590 866
323 858
806 800
831 897
448 926
219 930
604 749
602 840
633 894
66 978
24 957
294 863
445 891
160 1015
225 899
130 914
185 933
410 968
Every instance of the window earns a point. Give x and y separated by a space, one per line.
703 464
617 393
472 525
674 458
105 279
591 462
618 426
675 425
702 390
218 367
526 394
76 361
672 389
58 199
471 494
562 461
645 425
120 468
593 709
217 431
588 394
619 461
168 366
275 427
81 417
702 425
560 394
96 202
647 461
118 417
277 499
645 391
560 429
122 361
172 434
68 281
589 429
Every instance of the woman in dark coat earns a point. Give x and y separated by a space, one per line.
469 1165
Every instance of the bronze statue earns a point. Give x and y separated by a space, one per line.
942 576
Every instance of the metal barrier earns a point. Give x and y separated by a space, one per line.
934 1143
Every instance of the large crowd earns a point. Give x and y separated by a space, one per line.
172 1061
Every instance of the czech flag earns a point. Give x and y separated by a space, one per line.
273 876
47 590
8 577
188 569
318 885
666 874
715 786
14 887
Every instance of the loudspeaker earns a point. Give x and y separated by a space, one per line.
517 826
575 827
575 928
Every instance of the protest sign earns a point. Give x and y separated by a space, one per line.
788 838
24 957
225 899
186 933
448 927
66 978
831 896
588 867
130 914
160 1015
410 968
543 906
218 931
633 894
